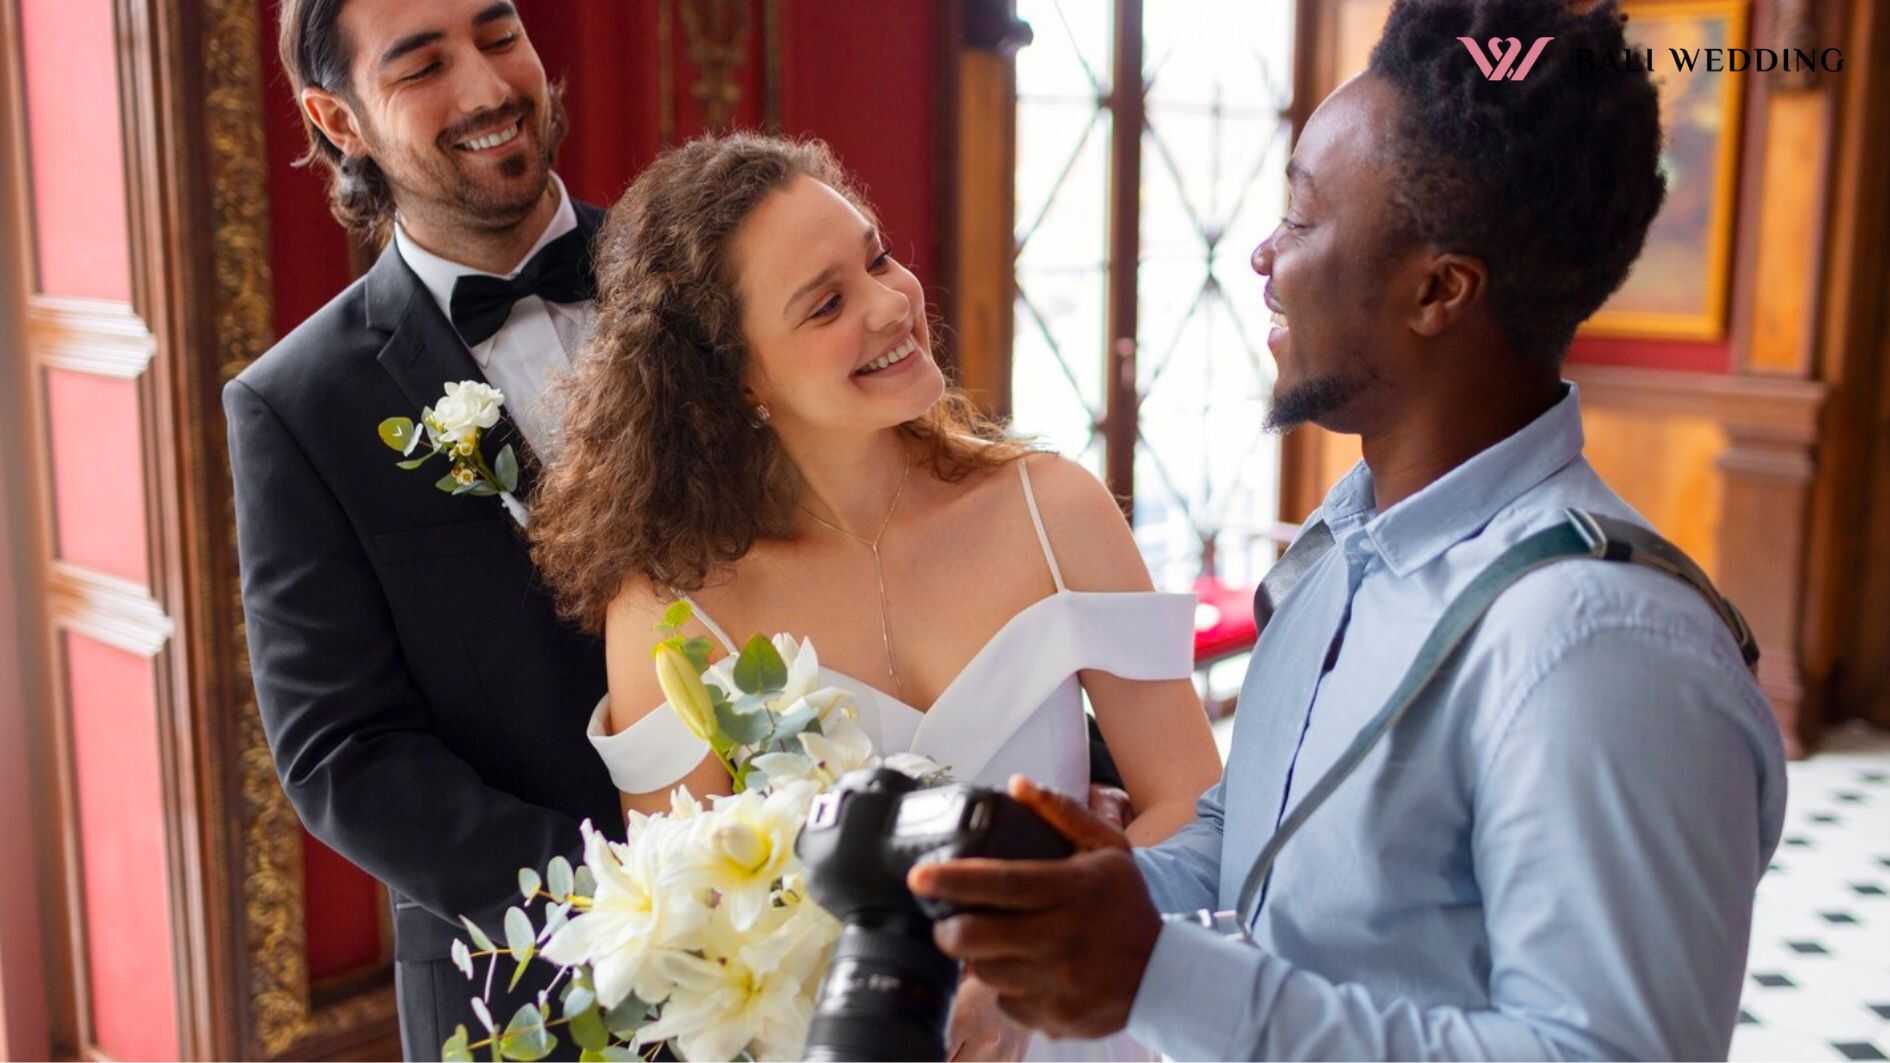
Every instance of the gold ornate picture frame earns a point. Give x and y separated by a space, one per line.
1678 287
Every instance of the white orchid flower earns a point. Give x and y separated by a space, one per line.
803 681
683 805
829 704
786 769
837 750
731 999
798 935
633 918
739 849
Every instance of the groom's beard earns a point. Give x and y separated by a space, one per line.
433 181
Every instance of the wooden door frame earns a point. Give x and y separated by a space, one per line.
26 1001
249 865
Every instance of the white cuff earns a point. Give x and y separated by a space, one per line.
1198 991
650 755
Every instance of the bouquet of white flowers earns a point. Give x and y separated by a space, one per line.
695 930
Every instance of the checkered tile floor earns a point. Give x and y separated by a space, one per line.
1818 972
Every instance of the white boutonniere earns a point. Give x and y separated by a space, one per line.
453 427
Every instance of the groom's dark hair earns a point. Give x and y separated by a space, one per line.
316 53
1551 180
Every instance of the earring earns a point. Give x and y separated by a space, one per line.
762 416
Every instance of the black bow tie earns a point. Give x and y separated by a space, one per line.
561 273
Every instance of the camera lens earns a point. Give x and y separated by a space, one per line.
887 995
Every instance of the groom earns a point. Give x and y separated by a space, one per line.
425 705
1554 853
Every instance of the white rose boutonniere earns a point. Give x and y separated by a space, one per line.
467 409
453 427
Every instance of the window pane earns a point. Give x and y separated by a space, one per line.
1218 77
1214 151
1063 123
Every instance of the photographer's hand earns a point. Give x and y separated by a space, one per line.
1063 942
1111 805
980 1031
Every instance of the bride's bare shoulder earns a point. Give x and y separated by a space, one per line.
1089 535
1066 489
629 635
638 608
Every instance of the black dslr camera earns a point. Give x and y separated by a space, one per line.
888 991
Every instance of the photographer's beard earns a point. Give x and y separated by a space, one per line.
1317 400
450 187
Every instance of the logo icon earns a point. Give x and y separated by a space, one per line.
1502 56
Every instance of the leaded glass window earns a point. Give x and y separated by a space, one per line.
1145 358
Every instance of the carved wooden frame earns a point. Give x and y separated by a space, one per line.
716 35
283 1014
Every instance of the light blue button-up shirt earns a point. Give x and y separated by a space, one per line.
1554 854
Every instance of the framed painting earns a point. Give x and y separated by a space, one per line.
1678 287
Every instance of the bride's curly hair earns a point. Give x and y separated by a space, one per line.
664 474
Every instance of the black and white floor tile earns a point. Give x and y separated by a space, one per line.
1818 970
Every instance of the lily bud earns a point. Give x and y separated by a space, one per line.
685 690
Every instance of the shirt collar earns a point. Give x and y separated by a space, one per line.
439 275
1458 504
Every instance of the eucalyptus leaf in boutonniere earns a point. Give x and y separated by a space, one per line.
453 427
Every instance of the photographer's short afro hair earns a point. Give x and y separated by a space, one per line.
1551 180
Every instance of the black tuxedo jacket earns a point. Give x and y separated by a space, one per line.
425 705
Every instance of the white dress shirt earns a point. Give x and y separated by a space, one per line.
537 343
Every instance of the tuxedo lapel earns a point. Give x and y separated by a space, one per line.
423 353
590 221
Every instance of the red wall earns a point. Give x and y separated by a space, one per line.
77 158
98 483
606 55
876 105
308 254
878 112
111 695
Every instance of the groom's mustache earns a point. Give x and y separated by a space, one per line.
487 121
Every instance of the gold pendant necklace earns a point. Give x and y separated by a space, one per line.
879 573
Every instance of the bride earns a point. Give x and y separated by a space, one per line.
759 425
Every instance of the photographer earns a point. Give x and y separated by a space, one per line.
1554 852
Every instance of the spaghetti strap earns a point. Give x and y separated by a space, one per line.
714 628
1036 519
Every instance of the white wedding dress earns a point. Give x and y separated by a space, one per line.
1016 708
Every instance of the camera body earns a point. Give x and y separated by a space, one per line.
888 992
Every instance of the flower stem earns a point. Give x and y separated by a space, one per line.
728 765
488 1042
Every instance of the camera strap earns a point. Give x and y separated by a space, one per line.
1580 535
